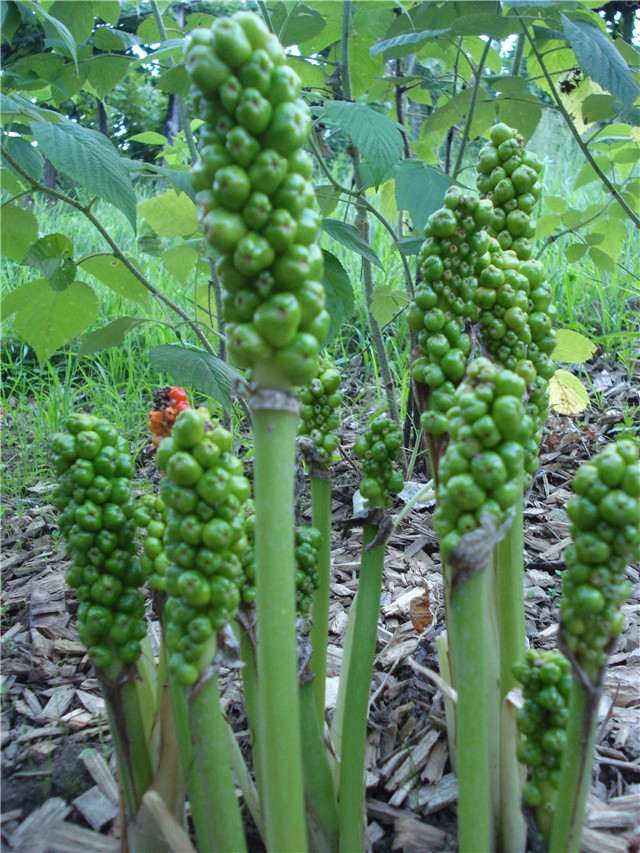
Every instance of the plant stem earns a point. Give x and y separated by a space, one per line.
611 187
473 647
157 294
279 721
442 645
245 782
320 795
471 110
211 758
321 519
575 772
354 735
337 722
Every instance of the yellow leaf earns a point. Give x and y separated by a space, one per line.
567 394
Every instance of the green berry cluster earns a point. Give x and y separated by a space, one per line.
604 515
509 176
308 542
255 199
320 410
378 448
93 496
546 685
455 249
204 540
150 515
488 429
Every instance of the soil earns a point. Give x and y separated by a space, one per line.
54 736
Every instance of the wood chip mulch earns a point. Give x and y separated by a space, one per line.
59 792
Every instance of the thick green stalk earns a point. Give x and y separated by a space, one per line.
475 667
321 519
320 795
251 699
442 645
279 721
200 810
575 772
337 721
245 782
211 759
354 734
508 560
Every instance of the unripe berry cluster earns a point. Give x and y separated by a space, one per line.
204 539
546 685
150 515
478 472
455 249
255 199
93 496
378 448
320 410
509 176
604 515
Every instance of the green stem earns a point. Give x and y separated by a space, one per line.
473 646
354 735
321 519
509 565
245 782
279 722
471 110
517 55
200 809
211 757
337 722
251 698
157 294
320 795
575 772
611 187
442 645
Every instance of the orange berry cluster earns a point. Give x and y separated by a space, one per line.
168 402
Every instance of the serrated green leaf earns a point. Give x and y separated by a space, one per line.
61 30
597 108
150 137
179 178
599 59
386 303
523 112
572 347
340 298
301 25
450 113
108 38
556 203
27 156
350 237
567 394
52 255
105 72
47 319
76 17
10 183
575 251
180 261
377 136
199 19
170 214
111 335
547 224
485 24
111 272
19 231
11 20
175 81
310 73
90 160
200 369
420 189
410 246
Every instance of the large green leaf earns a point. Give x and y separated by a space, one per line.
26 156
195 367
171 214
10 19
350 237
301 25
108 38
450 113
340 298
52 255
108 11
180 261
19 231
58 27
105 72
377 136
111 272
485 24
175 81
48 318
420 189
76 17
111 335
599 59
88 158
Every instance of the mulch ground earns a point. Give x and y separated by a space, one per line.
59 793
